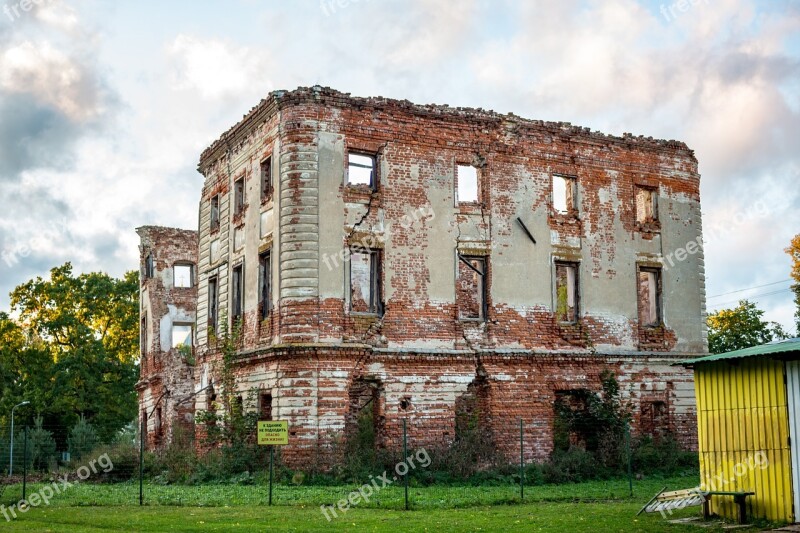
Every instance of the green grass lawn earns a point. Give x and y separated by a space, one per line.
595 507
577 517
391 497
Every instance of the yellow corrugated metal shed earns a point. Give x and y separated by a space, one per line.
743 428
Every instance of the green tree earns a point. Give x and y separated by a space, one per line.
72 349
794 252
41 446
740 327
82 438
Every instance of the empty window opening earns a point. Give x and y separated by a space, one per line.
472 417
646 205
158 423
649 293
264 283
266 179
405 403
361 169
265 407
211 400
181 335
148 266
365 281
567 292
143 334
571 413
182 276
471 287
212 303
467 179
237 293
215 213
238 196
654 418
563 194
364 423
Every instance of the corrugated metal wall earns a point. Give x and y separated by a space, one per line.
793 398
743 435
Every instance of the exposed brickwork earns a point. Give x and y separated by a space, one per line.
166 376
317 358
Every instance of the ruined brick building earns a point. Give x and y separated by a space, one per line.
411 256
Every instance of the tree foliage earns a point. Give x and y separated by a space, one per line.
794 252
740 327
71 349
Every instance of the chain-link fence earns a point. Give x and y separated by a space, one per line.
586 460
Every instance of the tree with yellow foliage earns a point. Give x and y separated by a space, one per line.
794 252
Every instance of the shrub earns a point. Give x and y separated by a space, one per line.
82 439
41 447
663 455
572 466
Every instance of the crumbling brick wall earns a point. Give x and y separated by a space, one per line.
413 219
166 380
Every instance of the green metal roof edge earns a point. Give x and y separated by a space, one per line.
787 345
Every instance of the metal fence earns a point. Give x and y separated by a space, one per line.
65 466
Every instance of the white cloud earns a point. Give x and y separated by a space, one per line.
57 14
214 68
52 77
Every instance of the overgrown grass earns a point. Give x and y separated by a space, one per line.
391 497
545 517
580 507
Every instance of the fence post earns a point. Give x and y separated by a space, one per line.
271 459
405 454
521 462
142 435
628 449
25 466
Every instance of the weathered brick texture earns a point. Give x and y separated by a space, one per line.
314 355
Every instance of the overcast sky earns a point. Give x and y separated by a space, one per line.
106 106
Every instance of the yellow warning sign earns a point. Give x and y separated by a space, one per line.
273 432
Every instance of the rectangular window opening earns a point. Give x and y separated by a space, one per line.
471 287
649 296
467 179
181 335
564 194
265 407
212 303
266 179
238 196
646 205
143 334
237 292
365 294
361 169
567 292
215 213
264 283
159 428
182 276
148 266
